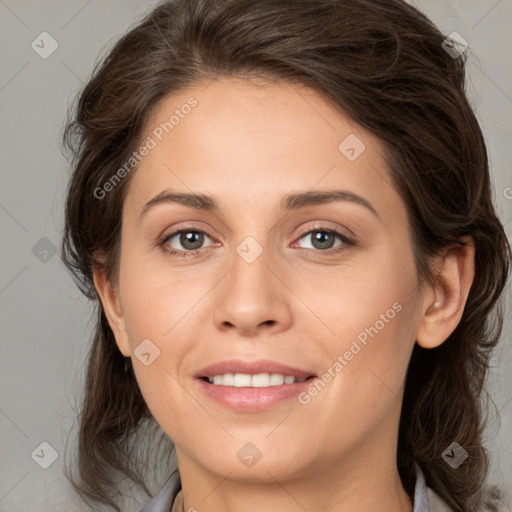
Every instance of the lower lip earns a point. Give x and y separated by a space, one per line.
252 399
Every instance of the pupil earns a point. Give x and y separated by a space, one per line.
188 238
320 238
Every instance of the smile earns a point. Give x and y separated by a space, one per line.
251 385
261 380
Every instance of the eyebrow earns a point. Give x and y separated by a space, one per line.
290 202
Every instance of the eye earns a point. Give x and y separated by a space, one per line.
191 241
324 239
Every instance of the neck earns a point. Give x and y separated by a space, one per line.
370 483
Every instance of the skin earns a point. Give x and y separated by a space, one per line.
248 145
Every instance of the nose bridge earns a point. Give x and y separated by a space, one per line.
251 295
250 276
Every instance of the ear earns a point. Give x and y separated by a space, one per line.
444 300
109 297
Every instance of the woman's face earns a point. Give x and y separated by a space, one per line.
301 256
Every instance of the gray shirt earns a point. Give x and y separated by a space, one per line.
425 499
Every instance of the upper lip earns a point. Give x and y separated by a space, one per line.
251 368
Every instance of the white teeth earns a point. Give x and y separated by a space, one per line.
241 380
276 379
228 379
261 380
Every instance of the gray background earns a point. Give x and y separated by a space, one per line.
45 332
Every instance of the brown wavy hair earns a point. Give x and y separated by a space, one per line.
383 63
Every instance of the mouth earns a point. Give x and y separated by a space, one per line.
250 386
252 374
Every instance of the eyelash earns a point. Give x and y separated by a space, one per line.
346 242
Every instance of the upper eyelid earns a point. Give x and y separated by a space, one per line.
176 232
344 238
319 225
302 231
306 230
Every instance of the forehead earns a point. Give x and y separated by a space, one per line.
258 139
263 116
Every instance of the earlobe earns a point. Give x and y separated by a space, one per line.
445 298
112 307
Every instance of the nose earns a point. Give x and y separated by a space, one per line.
253 297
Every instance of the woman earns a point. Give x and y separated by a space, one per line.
282 210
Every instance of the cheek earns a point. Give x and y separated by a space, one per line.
159 304
159 321
166 309
367 299
371 334
362 384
